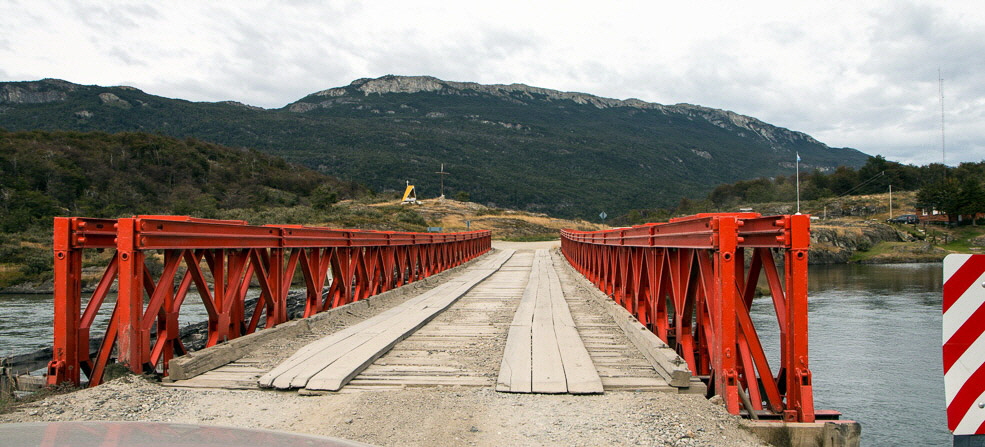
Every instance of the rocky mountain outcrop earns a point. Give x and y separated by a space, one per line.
776 137
44 91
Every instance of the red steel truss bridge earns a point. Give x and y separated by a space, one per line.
361 263
689 283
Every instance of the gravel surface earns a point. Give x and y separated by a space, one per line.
414 416
431 416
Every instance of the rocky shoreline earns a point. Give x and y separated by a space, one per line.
871 243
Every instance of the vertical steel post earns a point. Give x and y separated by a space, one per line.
64 365
800 396
726 332
130 298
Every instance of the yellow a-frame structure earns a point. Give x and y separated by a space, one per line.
410 194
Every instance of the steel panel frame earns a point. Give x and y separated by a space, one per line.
687 280
220 259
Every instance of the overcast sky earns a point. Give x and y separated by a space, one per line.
860 74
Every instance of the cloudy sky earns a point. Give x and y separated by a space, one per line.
861 74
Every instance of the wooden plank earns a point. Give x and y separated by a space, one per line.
307 366
635 382
306 353
422 381
663 359
335 375
580 374
514 371
309 361
558 360
299 375
515 368
303 354
547 371
198 362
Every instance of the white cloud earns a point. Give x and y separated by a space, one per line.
858 74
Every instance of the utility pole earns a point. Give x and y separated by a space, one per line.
890 201
441 175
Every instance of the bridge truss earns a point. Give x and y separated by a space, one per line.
220 259
692 282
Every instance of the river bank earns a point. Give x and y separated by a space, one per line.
869 242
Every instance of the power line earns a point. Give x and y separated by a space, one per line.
880 174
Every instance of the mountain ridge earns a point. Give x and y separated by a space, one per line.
417 84
531 148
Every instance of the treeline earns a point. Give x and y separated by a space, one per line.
95 174
956 190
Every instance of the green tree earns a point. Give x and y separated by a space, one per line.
24 208
971 199
941 196
324 196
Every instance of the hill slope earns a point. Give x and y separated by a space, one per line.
568 154
101 175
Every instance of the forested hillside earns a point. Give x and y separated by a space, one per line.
95 174
567 154
108 175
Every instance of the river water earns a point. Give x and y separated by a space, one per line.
26 320
875 349
875 336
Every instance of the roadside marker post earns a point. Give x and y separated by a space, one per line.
964 347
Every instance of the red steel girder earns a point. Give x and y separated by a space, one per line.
220 259
688 281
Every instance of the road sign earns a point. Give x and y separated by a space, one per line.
964 345
602 215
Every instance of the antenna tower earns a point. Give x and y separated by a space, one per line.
940 83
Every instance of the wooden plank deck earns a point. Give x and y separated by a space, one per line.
464 345
544 353
329 363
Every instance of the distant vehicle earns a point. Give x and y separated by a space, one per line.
905 219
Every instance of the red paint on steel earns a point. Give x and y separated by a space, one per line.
688 281
144 337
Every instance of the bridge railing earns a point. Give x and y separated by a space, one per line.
692 282
220 259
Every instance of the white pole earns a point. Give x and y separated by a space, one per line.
890 201
798 183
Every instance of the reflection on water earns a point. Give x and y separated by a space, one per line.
875 336
877 279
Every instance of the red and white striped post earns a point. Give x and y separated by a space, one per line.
964 347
